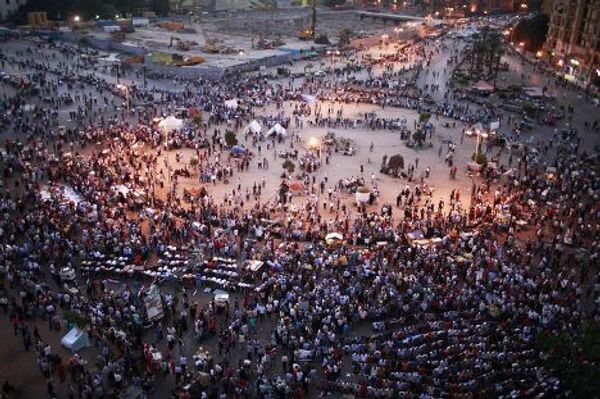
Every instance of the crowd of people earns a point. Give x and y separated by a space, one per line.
419 300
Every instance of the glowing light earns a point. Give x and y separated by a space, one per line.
574 62
539 54
560 63
76 18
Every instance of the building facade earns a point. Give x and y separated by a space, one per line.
573 40
7 7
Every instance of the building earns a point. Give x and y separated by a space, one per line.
7 7
573 40
37 19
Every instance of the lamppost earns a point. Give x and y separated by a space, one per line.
315 143
167 125
125 88
479 142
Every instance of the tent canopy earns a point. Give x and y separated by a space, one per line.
231 104
221 296
254 127
170 123
75 339
278 130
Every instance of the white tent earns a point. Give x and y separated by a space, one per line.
277 129
231 104
170 123
221 296
254 127
75 339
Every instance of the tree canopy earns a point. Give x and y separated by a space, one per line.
531 31
575 358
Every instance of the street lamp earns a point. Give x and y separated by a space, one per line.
479 142
315 143
167 125
76 18
125 88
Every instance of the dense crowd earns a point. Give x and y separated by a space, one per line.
419 300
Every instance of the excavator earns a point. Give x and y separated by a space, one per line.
309 33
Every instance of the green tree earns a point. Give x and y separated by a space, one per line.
424 117
160 7
230 138
575 358
419 136
345 35
531 31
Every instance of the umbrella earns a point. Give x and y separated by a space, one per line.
297 185
170 123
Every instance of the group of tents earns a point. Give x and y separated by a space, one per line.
256 129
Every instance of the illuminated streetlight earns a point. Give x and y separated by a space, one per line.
125 88
76 18
479 142
315 144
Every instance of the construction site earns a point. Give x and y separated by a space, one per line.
225 41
